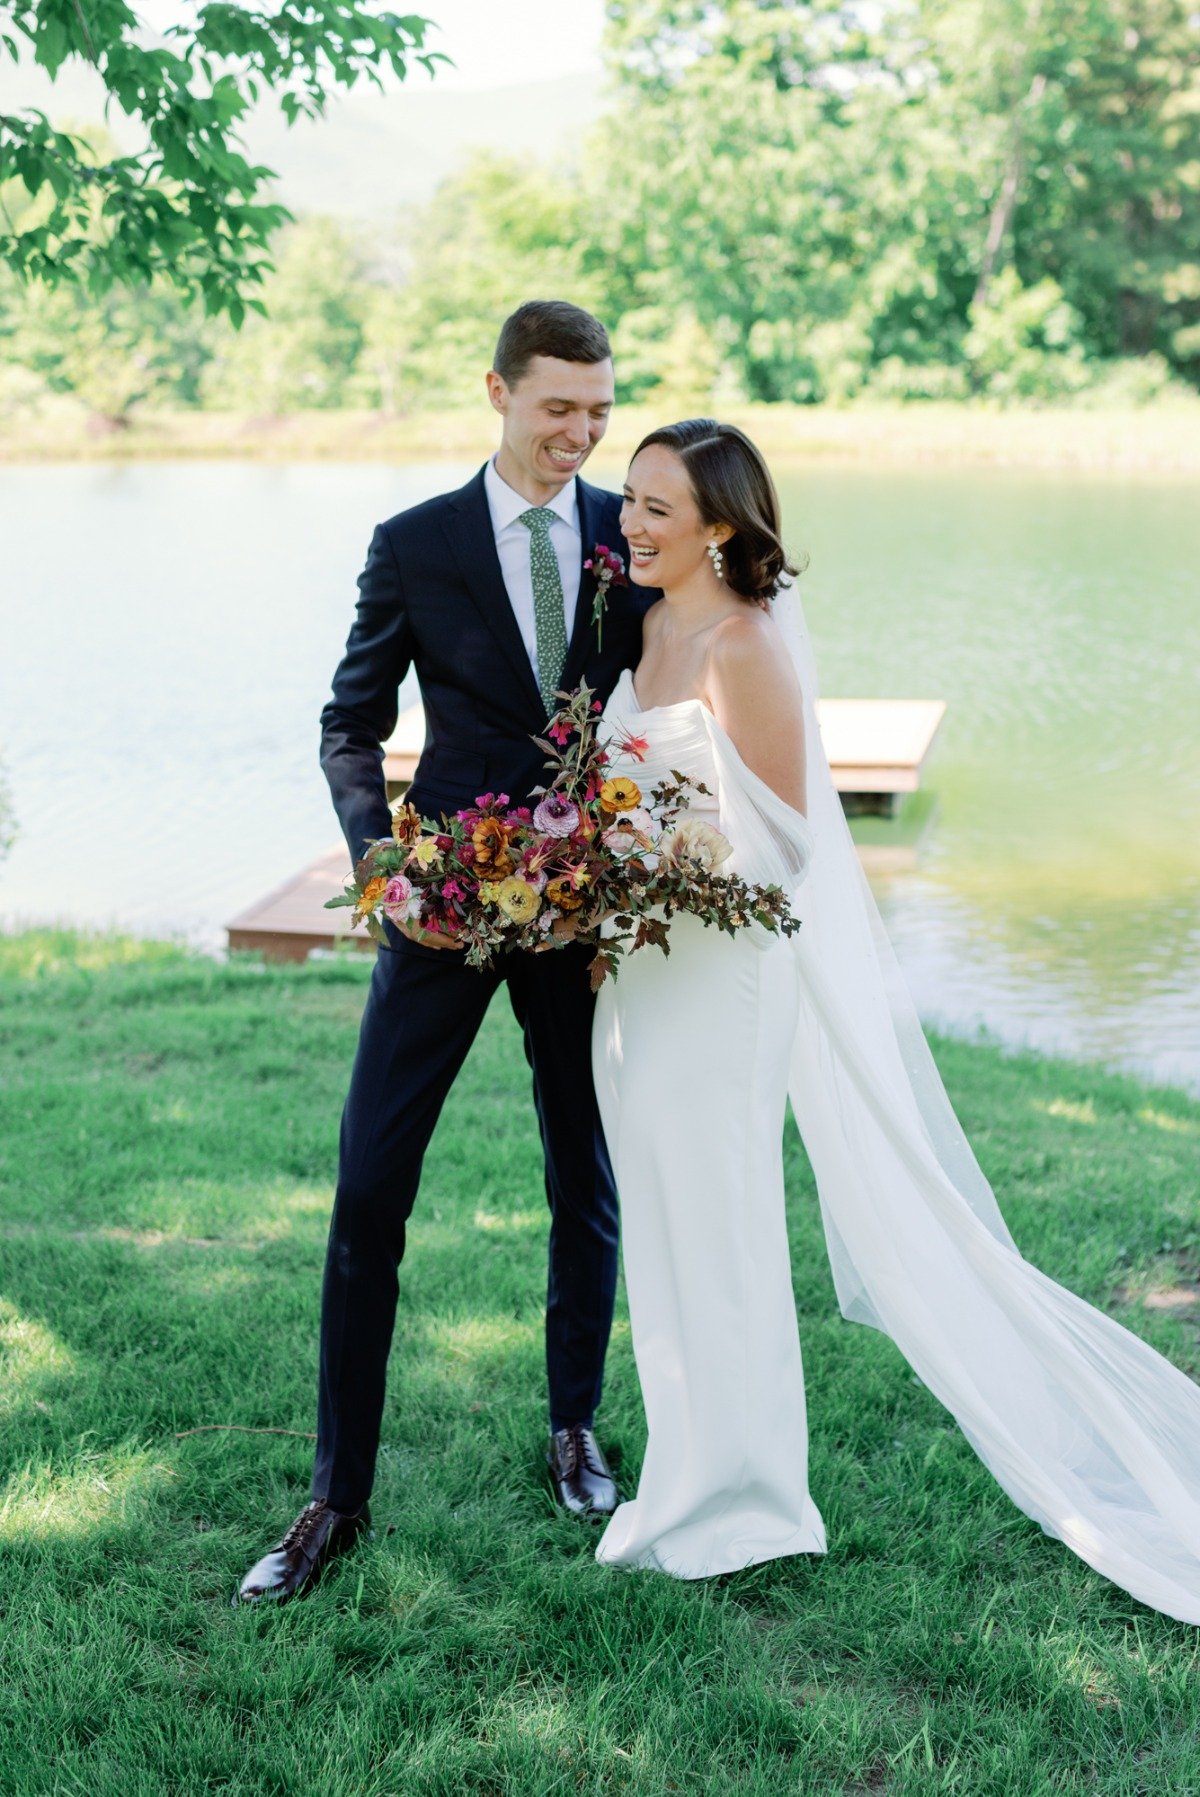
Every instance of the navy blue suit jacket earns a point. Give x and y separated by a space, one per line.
432 597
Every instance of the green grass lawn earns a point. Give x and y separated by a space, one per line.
167 1155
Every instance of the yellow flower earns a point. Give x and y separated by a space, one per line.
562 892
406 824
426 852
489 892
517 899
370 896
620 794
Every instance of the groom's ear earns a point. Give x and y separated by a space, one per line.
497 388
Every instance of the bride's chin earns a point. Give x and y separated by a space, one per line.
641 577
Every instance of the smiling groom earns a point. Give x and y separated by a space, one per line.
486 594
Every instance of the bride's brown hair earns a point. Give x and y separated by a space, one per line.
732 485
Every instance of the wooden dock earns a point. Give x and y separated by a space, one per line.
876 750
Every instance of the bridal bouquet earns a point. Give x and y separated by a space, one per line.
594 851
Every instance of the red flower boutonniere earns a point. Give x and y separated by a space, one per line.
608 570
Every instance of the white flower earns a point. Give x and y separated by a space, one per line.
695 843
631 831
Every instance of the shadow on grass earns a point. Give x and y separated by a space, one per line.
168 1161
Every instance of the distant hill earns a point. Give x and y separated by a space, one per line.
373 151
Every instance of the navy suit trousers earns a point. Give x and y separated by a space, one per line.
422 1014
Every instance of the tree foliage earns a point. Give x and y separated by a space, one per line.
803 201
187 206
836 189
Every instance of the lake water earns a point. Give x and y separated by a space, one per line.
169 632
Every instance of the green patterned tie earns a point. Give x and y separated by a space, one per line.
549 620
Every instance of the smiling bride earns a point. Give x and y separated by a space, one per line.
1090 1432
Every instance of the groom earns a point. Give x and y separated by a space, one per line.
484 592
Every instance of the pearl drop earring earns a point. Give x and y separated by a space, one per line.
718 560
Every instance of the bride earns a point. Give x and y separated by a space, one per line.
1090 1432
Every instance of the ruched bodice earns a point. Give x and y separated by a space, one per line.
670 738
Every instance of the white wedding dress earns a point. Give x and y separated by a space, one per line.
691 1053
1090 1432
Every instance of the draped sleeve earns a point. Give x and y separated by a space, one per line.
1087 1428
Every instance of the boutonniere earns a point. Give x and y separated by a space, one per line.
608 570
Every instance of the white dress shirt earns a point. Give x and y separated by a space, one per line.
513 542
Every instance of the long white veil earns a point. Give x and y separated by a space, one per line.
1089 1430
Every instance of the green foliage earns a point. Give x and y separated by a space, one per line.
111 352
1025 342
168 1136
495 234
188 207
835 194
307 353
929 199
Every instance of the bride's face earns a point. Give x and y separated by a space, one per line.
660 520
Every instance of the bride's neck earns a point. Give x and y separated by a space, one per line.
698 603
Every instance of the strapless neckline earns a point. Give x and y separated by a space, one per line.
648 710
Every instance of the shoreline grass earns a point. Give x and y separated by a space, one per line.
1162 438
168 1134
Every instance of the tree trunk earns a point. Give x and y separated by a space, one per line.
1006 200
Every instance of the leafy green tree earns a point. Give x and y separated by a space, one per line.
497 233
111 351
836 191
1084 116
1025 342
746 168
304 352
187 206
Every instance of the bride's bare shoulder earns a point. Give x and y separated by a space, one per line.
747 650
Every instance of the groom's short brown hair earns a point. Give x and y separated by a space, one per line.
548 328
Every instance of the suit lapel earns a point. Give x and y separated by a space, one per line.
473 543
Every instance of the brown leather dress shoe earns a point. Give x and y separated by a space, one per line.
294 1564
583 1482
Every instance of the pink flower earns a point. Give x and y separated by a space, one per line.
556 816
452 890
633 746
559 733
396 896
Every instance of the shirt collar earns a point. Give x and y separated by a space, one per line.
506 505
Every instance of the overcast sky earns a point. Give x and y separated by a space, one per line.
494 43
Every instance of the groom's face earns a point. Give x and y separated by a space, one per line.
554 416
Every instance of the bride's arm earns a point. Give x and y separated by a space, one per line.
752 688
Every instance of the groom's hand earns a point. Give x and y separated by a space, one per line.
426 938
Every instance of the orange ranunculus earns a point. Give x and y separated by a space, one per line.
490 840
370 896
562 894
620 794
